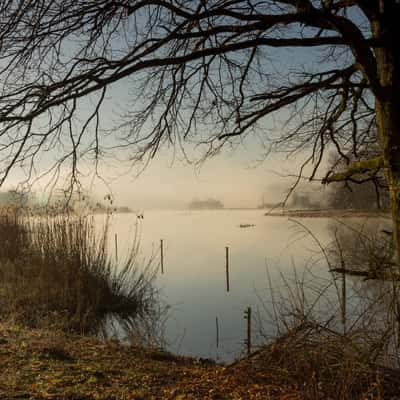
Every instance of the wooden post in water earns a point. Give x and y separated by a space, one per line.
227 267
116 247
162 255
217 326
344 299
247 315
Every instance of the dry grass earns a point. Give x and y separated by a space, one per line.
56 270
305 364
317 363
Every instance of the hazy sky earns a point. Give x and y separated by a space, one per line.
228 179
239 178
235 179
243 177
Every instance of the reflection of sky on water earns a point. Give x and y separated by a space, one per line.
194 279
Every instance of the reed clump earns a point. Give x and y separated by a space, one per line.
56 270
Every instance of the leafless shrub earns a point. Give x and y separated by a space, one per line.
336 335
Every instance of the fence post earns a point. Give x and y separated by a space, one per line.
344 300
116 247
162 255
247 315
227 267
217 326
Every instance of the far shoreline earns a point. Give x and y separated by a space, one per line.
328 213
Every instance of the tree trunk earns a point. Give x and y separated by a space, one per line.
388 121
387 105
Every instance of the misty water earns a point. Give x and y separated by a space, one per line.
194 282
264 258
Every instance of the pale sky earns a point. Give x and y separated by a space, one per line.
239 178
235 179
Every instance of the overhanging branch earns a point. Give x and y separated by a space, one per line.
360 167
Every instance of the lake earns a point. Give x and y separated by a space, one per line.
262 256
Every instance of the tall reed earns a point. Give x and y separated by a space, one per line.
57 270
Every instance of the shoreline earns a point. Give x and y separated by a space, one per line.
328 213
46 364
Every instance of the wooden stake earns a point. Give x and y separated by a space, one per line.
247 315
116 247
217 326
227 267
344 302
162 255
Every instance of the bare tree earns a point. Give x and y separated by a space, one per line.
202 71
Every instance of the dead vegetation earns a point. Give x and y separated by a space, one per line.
57 270
318 363
307 363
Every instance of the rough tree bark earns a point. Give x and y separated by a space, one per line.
387 106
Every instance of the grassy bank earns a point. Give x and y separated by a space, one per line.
42 364
57 271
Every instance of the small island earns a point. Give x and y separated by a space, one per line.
208 204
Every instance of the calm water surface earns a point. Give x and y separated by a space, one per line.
193 283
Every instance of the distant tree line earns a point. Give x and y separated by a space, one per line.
342 196
364 197
206 204
304 200
366 190
14 198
